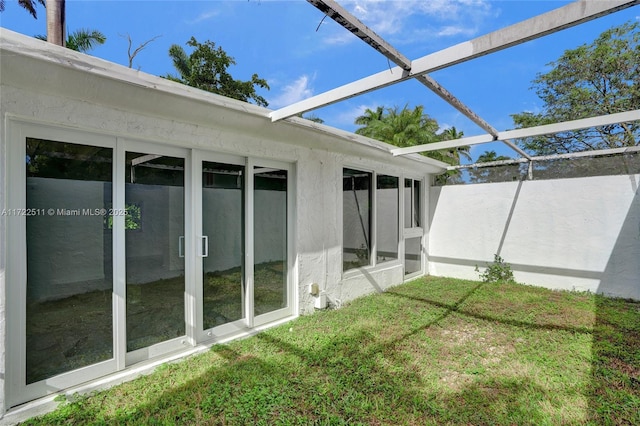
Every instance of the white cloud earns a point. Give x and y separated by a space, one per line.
443 127
348 116
409 20
205 16
298 90
453 30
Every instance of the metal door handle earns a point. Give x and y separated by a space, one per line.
180 244
205 249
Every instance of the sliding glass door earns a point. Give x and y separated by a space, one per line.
123 251
155 250
220 243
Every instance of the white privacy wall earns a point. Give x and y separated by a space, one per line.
575 234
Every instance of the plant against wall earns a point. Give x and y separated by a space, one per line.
498 271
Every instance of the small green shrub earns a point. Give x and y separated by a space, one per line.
498 271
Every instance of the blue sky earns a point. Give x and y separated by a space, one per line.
285 43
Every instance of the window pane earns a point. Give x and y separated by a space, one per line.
356 201
412 255
416 204
69 258
408 203
223 224
387 193
155 249
270 240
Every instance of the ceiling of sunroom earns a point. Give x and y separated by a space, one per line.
422 70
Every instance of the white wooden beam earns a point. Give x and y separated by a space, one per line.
336 12
581 154
465 110
353 24
435 146
548 129
567 16
565 126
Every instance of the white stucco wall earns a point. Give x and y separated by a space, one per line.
573 234
95 97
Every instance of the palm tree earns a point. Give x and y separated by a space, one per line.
408 127
400 127
56 23
82 40
454 153
28 5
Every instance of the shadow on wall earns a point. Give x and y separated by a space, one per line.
615 353
622 273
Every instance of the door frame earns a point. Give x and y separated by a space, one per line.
17 391
18 129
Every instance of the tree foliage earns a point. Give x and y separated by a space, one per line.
28 5
595 79
501 173
408 127
82 40
206 68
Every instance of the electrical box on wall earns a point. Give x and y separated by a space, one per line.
320 298
320 301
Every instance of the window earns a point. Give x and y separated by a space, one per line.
387 195
356 201
412 203
412 228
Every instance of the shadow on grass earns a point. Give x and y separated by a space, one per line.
456 307
615 372
351 377
357 376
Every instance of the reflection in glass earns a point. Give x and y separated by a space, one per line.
412 255
416 204
356 211
155 249
270 240
412 203
223 225
387 193
69 257
408 203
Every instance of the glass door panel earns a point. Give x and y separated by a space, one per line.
222 241
155 247
270 240
69 321
412 255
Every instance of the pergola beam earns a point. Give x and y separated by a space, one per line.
336 12
569 155
548 129
353 24
567 16
465 110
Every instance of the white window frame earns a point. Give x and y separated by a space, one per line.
18 129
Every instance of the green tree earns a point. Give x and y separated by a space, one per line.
28 5
82 40
595 79
206 68
403 128
450 134
311 117
503 173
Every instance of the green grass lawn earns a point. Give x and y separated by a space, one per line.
433 351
